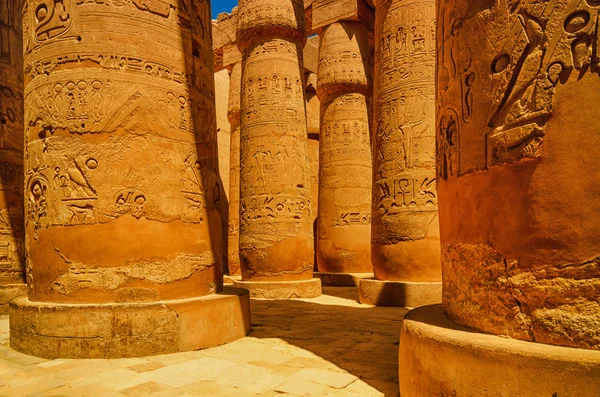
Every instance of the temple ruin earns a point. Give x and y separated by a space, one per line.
299 197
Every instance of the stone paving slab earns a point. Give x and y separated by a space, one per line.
326 346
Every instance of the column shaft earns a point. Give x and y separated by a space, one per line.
233 114
344 221
276 241
518 139
405 231
12 260
123 228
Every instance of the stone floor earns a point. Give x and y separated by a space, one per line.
328 346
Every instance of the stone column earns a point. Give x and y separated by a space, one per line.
405 232
12 262
345 180
233 114
122 197
313 121
518 140
276 239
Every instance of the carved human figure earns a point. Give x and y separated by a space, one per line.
517 132
233 115
405 232
276 240
121 191
344 221
12 264
122 198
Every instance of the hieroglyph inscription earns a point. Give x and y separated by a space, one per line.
274 165
97 105
506 83
405 140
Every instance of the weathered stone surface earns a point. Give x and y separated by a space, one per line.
121 188
405 231
399 293
233 114
517 175
344 221
122 193
224 34
439 358
12 261
8 292
276 239
282 289
331 340
342 279
115 330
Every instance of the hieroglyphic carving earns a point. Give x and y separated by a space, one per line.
11 144
45 21
533 48
405 206
275 204
120 149
405 139
344 220
517 88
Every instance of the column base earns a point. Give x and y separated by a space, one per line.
341 279
51 330
229 280
399 293
438 357
9 292
282 289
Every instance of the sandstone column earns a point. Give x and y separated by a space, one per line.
233 114
276 239
518 137
12 263
345 180
122 197
405 232
313 110
310 55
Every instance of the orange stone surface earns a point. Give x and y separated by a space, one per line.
12 235
344 220
233 114
518 138
405 232
121 185
276 234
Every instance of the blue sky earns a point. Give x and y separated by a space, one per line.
219 6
